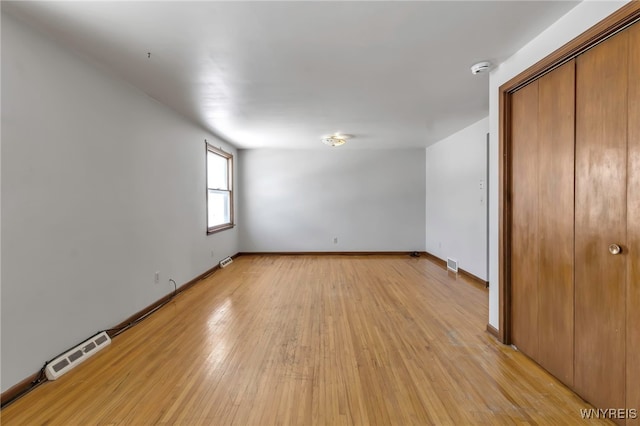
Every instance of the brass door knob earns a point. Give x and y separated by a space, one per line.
615 249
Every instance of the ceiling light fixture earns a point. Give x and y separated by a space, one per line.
480 67
336 139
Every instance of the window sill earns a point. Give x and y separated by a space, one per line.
220 228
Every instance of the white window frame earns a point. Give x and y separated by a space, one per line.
229 157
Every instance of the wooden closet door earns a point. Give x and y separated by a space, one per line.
556 143
633 225
524 228
601 210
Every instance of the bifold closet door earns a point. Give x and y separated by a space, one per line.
556 148
542 251
524 220
601 222
633 225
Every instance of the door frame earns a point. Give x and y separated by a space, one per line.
624 17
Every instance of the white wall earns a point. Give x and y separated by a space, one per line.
456 216
299 200
574 23
101 187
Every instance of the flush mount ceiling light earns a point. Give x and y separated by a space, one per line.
480 67
336 140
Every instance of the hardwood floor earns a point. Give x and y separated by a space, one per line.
310 340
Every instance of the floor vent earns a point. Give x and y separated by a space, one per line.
452 265
226 262
76 356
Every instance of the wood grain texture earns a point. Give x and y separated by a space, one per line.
328 253
493 331
476 279
26 385
556 142
307 340
524 220
20 388
633 225
473 278
504 217
145 311
600 278
621 18
610 25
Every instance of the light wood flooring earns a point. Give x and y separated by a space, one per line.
306 340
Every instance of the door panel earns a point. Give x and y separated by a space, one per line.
524 200
633 225
556 118
600 277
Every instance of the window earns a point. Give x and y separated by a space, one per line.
219 190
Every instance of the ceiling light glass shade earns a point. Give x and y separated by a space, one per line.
333 141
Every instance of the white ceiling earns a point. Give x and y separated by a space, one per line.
283 74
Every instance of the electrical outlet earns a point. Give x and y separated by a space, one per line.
212 253
335 240
156 277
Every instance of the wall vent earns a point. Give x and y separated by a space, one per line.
226 262
77 355
452 265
